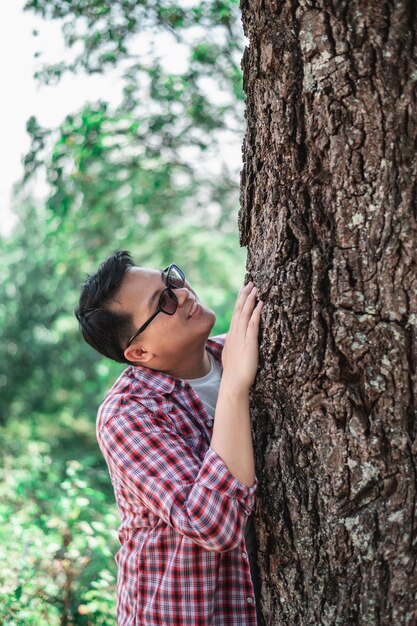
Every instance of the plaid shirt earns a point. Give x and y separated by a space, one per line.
183 559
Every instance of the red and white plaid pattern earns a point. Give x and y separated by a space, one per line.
183 559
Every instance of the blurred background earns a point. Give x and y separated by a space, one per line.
122 126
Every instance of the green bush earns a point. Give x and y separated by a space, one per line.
58 537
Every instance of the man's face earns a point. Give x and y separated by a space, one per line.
167 338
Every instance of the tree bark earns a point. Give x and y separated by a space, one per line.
328 215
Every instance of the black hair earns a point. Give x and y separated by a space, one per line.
105 330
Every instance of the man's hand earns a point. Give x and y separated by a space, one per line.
240 352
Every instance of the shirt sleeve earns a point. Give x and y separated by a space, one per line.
202 500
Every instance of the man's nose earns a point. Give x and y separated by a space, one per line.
183 294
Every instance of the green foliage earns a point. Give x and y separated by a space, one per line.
57 536
138 176
102 32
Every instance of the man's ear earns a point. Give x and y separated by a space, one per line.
137 355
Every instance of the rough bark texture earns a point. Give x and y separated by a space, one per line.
328 214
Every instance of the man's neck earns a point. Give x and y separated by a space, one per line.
197 366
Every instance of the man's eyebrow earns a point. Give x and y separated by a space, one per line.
153 296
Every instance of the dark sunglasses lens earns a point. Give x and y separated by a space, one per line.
176 277
169 302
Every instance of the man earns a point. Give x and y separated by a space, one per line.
175 433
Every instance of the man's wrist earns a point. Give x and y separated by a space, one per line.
229 385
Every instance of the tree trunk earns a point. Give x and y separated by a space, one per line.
328 214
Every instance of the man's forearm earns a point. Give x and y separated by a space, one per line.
232 437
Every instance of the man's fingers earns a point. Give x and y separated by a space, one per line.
256 316
246 312
244 292
248 305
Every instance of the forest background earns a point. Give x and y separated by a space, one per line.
151 174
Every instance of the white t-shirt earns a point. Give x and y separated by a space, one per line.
207 387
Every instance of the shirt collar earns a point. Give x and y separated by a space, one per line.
153 382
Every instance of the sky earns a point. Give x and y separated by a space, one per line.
24 97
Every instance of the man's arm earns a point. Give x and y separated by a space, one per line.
232 437
201 499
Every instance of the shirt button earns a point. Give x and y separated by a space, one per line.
245 556
183 383
249 599
209 423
